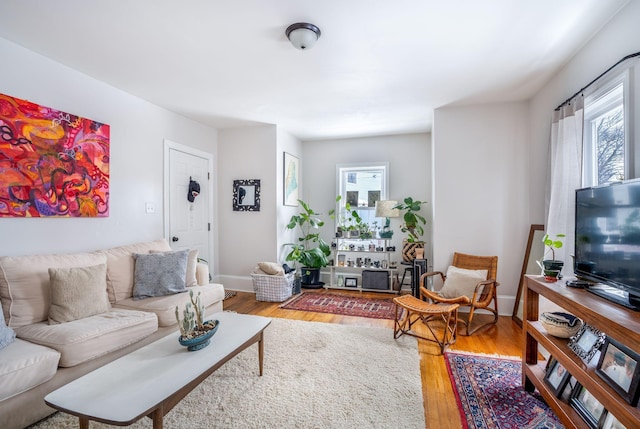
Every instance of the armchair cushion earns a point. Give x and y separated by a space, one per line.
461 282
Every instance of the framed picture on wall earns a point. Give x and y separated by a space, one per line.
290 180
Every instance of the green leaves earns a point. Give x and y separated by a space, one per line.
412 220
311 250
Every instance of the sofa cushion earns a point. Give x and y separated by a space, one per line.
120 266
82 340
165 307
7 335
192 263
77 293
24 366
159 274
24 284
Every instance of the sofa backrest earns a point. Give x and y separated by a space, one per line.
24 280
25 287
121 265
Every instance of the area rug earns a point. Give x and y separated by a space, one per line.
375 308
490 394
316 375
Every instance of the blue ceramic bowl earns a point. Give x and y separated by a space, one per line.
202 341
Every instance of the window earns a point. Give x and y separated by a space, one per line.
605 154
361 185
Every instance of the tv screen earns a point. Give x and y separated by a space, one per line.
607 240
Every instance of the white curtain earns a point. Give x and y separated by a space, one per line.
565 176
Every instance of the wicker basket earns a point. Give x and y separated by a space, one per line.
273 288
562 325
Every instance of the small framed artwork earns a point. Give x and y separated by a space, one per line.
589 408
351 282
556 377
373 196
620 368
610 422
246 195
586 342
291 179
352 198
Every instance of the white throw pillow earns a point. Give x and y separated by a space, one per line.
77 293
271 268
461 282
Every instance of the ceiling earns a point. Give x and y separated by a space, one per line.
380 67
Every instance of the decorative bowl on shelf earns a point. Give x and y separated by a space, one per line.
561 325
201 341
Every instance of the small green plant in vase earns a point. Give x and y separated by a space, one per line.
194 332
552 267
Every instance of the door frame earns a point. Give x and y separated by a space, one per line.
171 145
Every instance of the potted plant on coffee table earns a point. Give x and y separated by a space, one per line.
311 252
195 333
413 226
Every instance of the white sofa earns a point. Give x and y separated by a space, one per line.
46 355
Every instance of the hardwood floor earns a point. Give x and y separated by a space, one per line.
440 406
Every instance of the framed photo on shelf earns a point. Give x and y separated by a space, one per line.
586 342
589 408
351 282
610 422
568 389
620 368
556 377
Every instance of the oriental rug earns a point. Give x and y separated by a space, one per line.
316 375
489 393
375 308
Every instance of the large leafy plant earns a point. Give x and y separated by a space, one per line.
311 250
412 220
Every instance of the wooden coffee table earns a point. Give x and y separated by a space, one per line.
153 379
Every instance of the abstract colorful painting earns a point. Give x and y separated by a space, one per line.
52 163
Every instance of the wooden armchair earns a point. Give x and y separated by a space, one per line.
483 295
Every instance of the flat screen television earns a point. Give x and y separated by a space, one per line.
607 241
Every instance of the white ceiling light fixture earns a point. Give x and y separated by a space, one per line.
303 35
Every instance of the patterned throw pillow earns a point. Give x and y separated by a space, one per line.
7 335
159 274
77 293
192 263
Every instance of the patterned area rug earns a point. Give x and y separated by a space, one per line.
345 305
490 394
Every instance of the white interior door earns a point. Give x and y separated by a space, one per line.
189 223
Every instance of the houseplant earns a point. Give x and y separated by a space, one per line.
551 267
350 224
311 251
413 226
195 333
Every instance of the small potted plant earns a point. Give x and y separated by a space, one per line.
195 333
413 226
311 251
552 267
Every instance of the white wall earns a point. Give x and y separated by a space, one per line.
480 172
246 238
138 130
409 158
